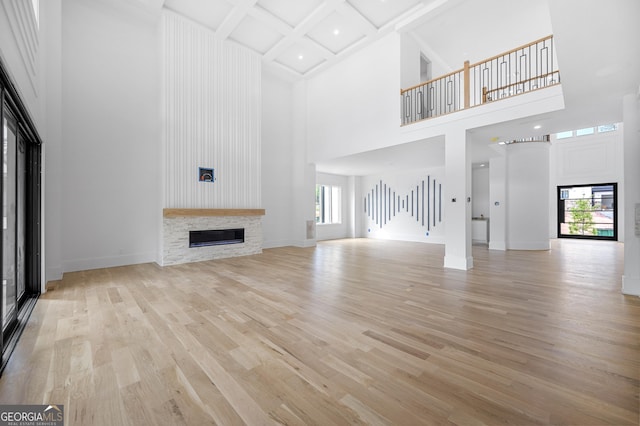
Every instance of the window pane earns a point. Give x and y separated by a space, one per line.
587 211
318 204
586 131
8 221
607 128
564 135
336 199
326 204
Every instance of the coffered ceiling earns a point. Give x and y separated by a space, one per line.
300 37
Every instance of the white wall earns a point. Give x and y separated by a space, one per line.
304 173
587 159
110 155
497 201
354 105
480 192
528 196
277 161
410 61
407 222
336 230
51 80
631 115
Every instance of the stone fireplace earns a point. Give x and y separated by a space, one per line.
222 227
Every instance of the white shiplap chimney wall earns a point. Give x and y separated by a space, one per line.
211 118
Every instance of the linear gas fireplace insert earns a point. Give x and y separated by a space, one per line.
216 237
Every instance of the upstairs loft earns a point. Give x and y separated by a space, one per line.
521 70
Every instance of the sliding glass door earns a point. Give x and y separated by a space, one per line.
14 219
20 194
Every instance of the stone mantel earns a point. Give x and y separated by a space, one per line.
211 212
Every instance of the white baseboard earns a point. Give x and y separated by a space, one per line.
462 263
108 262
631 286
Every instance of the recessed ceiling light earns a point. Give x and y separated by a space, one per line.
537 126
482 165
300 57
336 31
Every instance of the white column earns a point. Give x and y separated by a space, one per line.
631 116
457 201
527 188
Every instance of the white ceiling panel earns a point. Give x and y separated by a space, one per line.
255 35
335 33
382 12
210 13
300 58
291 12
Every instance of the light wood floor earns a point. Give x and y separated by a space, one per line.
349 332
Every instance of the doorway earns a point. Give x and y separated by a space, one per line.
588 211
20 230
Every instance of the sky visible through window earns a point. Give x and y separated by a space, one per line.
587 131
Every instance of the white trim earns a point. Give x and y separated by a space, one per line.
631 286
25 31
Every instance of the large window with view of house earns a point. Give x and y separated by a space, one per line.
588 211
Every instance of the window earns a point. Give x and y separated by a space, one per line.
588 211
564 135
586 131
328 204
607 128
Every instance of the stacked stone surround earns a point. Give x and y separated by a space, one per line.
176 230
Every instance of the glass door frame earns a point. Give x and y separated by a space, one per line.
31 211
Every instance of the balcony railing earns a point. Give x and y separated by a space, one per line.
521 70
542 138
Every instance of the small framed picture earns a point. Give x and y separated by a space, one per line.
206 175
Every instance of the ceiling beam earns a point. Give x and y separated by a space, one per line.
234 18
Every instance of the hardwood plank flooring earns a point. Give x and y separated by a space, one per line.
349 332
